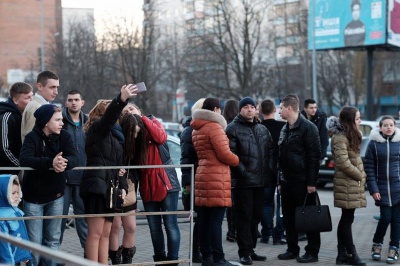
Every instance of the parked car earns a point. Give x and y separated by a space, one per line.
366 126
327 168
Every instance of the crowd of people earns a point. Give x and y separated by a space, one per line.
245 163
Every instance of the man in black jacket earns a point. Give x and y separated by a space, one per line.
10 117
252 143
299 155
74 120
319 119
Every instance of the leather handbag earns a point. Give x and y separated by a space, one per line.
130 198
313 218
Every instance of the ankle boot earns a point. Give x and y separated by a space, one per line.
207 260
196 255
160 257
115 256
127 255
342 257
353 258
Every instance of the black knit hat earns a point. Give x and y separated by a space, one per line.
43 114
245 101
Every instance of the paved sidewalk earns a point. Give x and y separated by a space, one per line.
363 229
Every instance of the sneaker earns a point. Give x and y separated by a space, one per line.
376 251
393 255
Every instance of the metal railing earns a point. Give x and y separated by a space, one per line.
70 259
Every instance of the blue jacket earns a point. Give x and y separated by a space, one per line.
382 166
10 254
74 177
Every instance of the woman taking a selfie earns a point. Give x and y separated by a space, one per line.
104 147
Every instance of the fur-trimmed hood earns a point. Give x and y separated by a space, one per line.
202 116
6 184
377 136
333 125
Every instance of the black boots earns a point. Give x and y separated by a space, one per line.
353 258
115 256
127 255
342 257
122 255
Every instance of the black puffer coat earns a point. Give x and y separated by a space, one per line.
319 120
188 153
253 144
103 148
299 152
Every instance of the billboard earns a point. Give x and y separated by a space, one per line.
394 22
351 23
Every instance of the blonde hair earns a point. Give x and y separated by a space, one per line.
97 111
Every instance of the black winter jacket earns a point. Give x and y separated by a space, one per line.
252 143
38 151
103 148
10 135
74 177
299 152
188 153
319 120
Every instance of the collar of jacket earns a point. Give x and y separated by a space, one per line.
377 136
297 123
203 114
51 139
240 119
67 117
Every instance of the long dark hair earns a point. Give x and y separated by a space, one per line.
135 149
231 110
347 117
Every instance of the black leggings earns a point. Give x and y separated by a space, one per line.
344 233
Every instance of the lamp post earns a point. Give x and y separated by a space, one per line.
314 55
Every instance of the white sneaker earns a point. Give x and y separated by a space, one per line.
376 251
393 255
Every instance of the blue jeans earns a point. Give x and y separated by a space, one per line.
210 228
44 232
389 215
170 203
71 193
267 220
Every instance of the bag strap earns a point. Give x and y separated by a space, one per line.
317 200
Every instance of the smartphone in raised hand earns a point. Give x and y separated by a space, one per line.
141 87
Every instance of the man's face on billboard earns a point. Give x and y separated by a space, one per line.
356 12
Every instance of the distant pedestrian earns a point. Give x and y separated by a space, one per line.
382 164
315 115
349 180
10 119
267 111
231 110
189 156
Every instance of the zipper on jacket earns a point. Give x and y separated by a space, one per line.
163 181
387 170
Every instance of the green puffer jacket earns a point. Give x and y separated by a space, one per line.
350 177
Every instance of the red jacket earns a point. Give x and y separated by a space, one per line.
151 177
213 176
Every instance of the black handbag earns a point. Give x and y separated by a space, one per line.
313 219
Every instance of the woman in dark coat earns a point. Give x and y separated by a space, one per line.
104 147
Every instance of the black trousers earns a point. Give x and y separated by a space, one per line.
344 232
293 195
248 213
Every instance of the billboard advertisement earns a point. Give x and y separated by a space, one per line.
394 22
351 23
